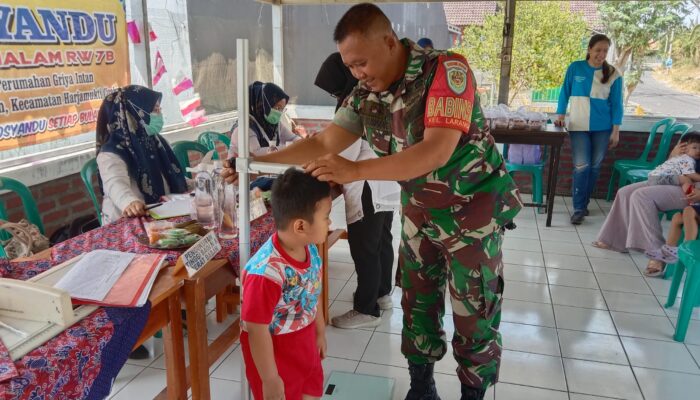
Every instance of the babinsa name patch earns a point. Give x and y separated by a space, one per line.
449 107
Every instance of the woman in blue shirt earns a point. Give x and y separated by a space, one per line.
593 88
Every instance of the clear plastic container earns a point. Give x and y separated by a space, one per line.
229 223
205 199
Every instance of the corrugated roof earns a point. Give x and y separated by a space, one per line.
474 12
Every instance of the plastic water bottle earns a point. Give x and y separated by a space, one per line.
204 199
218 185
229 223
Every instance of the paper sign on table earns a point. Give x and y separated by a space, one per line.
95 274
257 208
200 253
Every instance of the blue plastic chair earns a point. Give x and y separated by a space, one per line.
86 173
689 262
642 174
536 172
643 162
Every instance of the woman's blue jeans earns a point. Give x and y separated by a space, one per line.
589 150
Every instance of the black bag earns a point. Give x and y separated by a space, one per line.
79 226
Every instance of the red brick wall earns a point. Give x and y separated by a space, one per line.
59 202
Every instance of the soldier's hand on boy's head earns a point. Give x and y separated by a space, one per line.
332 168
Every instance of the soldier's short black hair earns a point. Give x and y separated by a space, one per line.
691 137
295 195
360 18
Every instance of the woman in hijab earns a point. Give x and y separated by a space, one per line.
369 214
136 165
266 134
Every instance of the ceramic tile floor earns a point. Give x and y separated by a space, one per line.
578 324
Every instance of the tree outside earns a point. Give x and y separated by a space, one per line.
637 29
548 37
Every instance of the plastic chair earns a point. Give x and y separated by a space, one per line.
621 166
181 150
210 138
534 170
641 174
30 208
86 173
689 262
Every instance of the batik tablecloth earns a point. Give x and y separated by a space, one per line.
79 363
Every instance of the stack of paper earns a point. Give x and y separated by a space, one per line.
172 208
112 278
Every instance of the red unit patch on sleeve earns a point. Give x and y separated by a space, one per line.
451 95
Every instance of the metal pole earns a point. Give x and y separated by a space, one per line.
147 43
242 166
278 44
506 52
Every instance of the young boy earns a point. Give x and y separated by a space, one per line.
283 338
679 170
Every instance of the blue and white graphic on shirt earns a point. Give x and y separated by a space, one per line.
296 308
595 106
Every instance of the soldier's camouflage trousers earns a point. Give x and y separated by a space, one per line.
472 270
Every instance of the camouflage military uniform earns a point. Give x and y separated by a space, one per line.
452 217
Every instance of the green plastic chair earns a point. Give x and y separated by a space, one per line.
534 170
209 139
641 174
689 262
30 208
622 166
86 173
181 150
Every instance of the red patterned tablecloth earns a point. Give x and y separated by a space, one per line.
123 235
79 363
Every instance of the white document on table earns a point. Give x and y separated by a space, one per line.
93 276
172 208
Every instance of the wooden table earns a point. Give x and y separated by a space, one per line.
551 136
165 316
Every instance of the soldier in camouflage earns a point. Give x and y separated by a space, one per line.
420 112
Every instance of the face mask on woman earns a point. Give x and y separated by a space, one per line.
155 126
275 115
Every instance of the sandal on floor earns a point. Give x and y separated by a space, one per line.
655 272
